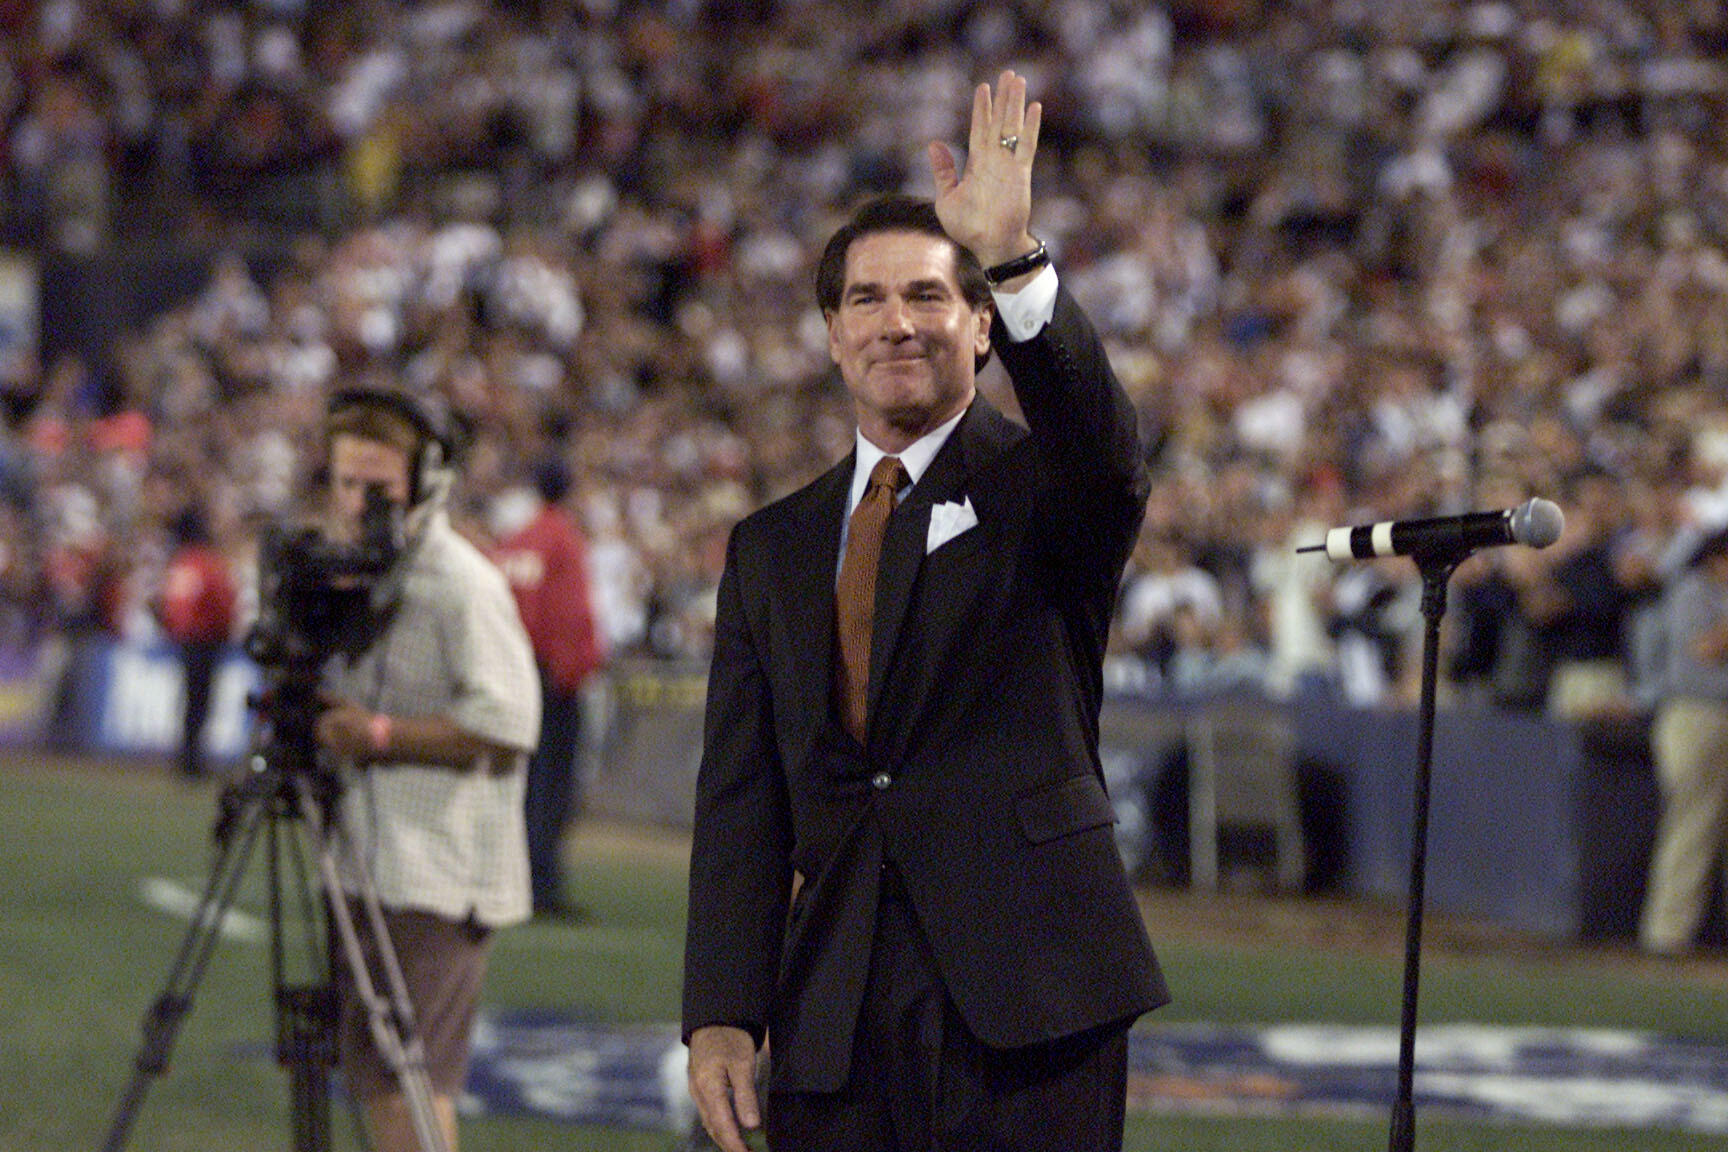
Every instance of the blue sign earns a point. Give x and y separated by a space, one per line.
119 698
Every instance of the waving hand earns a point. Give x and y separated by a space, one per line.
988 208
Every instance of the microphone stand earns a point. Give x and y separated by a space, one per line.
1436 568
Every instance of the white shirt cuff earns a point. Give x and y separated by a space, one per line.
1024 313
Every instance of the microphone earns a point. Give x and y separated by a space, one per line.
1537 523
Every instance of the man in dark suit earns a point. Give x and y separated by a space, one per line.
903 874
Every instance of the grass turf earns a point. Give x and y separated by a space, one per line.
81 957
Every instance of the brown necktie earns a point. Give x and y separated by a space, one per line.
855 595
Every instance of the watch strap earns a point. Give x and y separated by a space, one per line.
1019 266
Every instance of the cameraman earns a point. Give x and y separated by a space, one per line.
435 717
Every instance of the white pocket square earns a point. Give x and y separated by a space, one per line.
948 521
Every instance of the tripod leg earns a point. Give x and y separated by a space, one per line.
391 1016
305 1011
162 1021
305 1024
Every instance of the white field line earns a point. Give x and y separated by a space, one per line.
180 901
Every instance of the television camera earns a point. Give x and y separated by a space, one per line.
319 598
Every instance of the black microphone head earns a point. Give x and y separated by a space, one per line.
1537 523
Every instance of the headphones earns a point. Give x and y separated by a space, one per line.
429 426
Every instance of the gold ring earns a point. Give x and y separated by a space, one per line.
1010 143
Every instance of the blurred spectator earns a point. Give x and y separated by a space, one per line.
1570 597
1491 655
1690 741
1214 657
84 576
620 580
1164 583
196 608
59 158
1296 588
544 556
1375 612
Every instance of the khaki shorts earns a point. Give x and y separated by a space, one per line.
443 964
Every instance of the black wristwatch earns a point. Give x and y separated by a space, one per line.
1019 266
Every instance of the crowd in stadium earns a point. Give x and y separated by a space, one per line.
1355 262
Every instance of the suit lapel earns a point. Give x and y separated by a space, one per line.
810 549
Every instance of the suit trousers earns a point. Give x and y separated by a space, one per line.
921 1082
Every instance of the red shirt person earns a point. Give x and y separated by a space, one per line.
196 608
546 563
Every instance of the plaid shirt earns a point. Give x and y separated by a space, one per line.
447 841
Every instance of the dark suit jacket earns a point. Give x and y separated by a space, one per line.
981 779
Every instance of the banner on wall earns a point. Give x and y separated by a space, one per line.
123 699
142 697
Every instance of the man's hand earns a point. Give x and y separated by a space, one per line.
989 209
723 1083
345 729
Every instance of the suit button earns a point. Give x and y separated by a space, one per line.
881 781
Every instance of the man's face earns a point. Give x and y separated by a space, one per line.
904 337
355 465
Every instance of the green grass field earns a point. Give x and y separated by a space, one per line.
81 957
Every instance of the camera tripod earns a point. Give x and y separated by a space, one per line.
279 793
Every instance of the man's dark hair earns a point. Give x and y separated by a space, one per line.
894 213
